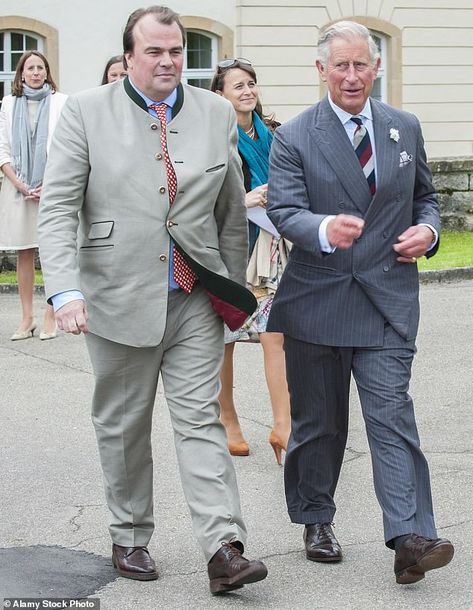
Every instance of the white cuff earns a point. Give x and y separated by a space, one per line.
62 298
436 235
325 245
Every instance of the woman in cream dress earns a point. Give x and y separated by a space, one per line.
27 121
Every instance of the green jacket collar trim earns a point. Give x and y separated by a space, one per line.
139 101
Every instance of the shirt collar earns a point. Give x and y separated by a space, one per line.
170 100
346 116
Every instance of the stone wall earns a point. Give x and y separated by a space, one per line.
453 179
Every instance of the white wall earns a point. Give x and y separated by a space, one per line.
435 63
90 31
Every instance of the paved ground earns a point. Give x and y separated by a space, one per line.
53 518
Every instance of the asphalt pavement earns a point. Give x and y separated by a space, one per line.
53 519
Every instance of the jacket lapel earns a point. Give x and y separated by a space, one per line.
332 140
387 157
231 301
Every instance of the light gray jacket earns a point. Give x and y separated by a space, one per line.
105 222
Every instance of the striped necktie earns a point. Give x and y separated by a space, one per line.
183 274
364 152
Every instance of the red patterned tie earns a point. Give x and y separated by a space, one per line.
364 152
183 274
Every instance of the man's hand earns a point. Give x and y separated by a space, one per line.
343 230
72 317
413 243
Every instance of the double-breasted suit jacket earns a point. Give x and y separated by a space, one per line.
345 298
116 200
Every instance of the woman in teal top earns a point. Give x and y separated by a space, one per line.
235 80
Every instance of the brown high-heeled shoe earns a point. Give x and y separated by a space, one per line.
277 445
239 449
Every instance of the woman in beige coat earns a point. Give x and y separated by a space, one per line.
27 121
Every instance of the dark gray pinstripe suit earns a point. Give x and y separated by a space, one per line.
353 311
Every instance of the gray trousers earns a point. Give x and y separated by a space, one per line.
189 360
319 380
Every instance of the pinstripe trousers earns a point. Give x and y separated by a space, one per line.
319 380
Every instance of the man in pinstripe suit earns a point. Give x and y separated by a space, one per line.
350 187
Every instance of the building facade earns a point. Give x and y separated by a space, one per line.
426 49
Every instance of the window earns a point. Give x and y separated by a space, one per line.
200 59
12 46
380 84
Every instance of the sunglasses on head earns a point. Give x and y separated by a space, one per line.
228 63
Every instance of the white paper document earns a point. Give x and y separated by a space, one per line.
259 217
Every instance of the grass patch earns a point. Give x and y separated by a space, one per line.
456 250
9 277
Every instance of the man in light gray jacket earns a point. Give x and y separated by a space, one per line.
143 243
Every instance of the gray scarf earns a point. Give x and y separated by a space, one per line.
29 148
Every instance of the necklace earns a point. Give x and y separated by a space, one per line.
251 132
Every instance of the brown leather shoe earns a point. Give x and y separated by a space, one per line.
229 570
418 555
134 562
321 544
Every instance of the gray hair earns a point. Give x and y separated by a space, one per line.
346 30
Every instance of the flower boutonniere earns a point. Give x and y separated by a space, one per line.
394 134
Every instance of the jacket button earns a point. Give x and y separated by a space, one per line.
163 257
162 189
154 126
170 223
158 156
385 268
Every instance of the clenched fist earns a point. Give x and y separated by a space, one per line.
343 230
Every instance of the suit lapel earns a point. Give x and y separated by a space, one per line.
387 157
332 140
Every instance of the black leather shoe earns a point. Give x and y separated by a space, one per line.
134 562
229 570
417 555
321 544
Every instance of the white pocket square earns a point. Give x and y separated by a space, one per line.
404 159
